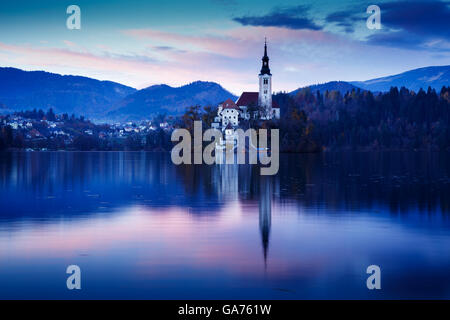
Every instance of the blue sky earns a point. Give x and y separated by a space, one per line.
140 43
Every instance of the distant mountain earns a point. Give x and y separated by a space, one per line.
171 100
72 94
340 86
435 77
106 100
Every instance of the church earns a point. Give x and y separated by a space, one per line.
250 104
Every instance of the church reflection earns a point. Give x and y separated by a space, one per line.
245 184
265 213
201 231
42 187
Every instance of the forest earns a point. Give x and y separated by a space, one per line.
399 119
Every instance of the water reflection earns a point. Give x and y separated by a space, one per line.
225 231
402 183
265 213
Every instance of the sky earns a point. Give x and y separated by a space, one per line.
142 43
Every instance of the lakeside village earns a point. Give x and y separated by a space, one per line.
40 131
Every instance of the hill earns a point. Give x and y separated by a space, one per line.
25 90
340 86
162 98
435 77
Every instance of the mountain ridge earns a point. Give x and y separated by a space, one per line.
433 76
341 86
163 98
108 100
26 90
100 99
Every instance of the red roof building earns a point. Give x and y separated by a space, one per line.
229 104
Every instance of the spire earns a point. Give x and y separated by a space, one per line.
265 47
265 60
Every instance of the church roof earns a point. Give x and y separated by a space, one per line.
247 98
229 104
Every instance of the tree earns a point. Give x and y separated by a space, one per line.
209 113
7 136
192 114
85 143
133 143
50 115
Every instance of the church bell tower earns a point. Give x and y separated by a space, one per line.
265 85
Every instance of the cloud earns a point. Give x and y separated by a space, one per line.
238 44
231 57
418 25
70 44
406 40
425 18
217 44
137 70
288 17
346 19
163 48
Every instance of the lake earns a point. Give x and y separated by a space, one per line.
140 227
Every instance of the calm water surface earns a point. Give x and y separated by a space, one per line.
140 227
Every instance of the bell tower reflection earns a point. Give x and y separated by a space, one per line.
265 213
243 183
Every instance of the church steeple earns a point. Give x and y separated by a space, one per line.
265 85
265 61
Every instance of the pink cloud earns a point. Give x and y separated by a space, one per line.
238 42
70 44
138 71
223 45
237 52
229 57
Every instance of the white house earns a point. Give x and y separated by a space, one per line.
229 113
